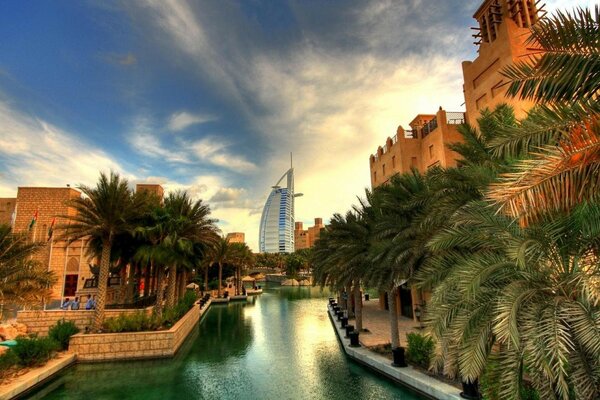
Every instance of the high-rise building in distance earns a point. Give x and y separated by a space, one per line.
276 233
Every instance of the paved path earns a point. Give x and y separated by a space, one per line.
378 323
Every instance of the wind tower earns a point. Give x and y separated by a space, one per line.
501 36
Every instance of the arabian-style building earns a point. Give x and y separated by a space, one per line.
421 147
502 33
306 238
36 212
236 237
501 36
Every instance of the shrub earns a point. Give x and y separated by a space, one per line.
62 332
420 349
7 360
34 351
141 321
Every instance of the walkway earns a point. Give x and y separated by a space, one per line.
378 323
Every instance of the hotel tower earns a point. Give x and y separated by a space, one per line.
276 233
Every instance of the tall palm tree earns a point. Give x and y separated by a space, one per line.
562 135
526 296
22 280
220 254
187 223
241 256
104 212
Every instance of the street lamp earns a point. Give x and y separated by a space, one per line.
418 315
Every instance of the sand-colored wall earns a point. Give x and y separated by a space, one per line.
39 321
135 345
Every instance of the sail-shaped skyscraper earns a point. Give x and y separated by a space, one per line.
276 233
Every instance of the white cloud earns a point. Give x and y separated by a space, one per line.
181 120
37 153
214 151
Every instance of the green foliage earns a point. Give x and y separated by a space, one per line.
420 349
138 322
34 351
141 321
7 360
173 314
61 333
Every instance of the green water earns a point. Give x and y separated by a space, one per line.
279 345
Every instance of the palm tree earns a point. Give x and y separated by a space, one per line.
22 280
562 135
220 253
526 296
240 256
104 212
186 224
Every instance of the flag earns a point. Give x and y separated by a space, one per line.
51 229
33 220
13 217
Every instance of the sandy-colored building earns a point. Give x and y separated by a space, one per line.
421 147
69 261
306 238
501 35
502 31
236 237
7 208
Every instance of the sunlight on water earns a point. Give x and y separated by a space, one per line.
279 345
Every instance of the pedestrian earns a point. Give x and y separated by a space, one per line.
65 305
75 304
91 303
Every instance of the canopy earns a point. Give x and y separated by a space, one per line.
248 278
192 286
290 282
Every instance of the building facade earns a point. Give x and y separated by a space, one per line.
36 212
306 238
236 237
421 147
502 32
276 234
503 29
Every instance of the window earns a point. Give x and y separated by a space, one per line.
383 169
431 151
414 162
393 162
375 176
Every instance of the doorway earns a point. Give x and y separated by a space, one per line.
406 306
70 285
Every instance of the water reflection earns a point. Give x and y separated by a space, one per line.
279 345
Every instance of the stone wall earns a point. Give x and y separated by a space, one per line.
39 321
135 345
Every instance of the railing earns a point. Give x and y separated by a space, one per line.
429 127
455 118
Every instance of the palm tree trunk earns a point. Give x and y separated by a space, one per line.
102 284
357 305
349 300
159 290
206 278
172 286
182 284
394 332
220 278
147 280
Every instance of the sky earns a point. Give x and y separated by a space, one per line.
212 96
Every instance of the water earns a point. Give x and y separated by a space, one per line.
279 345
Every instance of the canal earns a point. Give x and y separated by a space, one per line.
279 345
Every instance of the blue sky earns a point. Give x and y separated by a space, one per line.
211 96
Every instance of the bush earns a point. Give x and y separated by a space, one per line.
34 351
141 321
420 349
61 333
7 360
